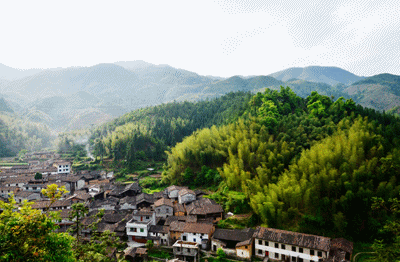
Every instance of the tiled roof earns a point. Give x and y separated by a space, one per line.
198 228
245 243
159 229
179 208
24 194
186 191
341 243
143 197
203 206
18 179
71 178
293 238
170 219
57 203
103 226
163 202
177 226
173 187
128 199
158 195
233 234
9 188
113 218
143 212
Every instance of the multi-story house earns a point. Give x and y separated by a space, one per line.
63 167
199 233
138 227
185 250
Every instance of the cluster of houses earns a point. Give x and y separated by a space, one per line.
178 218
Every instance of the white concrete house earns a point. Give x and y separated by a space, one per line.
63 167
138 227
199 233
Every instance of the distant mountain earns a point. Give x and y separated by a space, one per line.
323 74
258 84
381 91
9 73
4 106
77 97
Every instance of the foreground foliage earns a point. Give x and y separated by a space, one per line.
27 234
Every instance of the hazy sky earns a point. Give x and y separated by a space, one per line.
221 38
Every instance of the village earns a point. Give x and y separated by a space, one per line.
178 219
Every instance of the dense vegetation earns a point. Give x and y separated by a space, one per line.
311 164
146 134
17 134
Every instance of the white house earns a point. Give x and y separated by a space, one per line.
297 247
199 233
138 227
63 167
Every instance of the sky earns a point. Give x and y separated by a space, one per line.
220 38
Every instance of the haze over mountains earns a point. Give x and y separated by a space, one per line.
77 97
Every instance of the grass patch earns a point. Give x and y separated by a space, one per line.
14 164
159 254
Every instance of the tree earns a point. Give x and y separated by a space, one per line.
388 250
149 245
100 244
38 176
78 212
53 192
221 255
28 234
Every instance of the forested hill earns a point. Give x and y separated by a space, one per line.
311 165
17 134
147 133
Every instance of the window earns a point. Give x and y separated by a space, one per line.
194 240
134 229
142 230
276 255
320 253
260 252
245 247
147 217
300 249
312 252
283 246
260 242
266 243
184 238
276 245
300 259
293 259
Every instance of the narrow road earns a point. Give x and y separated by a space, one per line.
354 258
